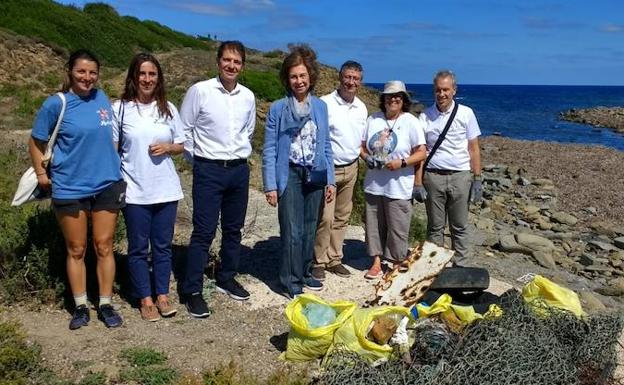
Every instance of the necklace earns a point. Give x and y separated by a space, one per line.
391 129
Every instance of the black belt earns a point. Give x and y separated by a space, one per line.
345 165
222 162
443 172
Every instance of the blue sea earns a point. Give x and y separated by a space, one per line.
532 112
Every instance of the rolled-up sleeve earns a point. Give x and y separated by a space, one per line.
269 153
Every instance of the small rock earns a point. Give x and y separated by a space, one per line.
521 223
485 224
530 209
507 243
603 228
590 210
544 259
586 259
543 182
619 242
615 288
534 242
560 228
590 302
602 245
563 218
522 181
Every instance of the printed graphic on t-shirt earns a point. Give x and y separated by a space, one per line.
105 117
382 144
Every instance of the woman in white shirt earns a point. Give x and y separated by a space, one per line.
392 144
147 130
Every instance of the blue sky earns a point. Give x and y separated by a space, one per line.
483 41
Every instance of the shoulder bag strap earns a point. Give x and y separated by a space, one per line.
122 110
442 136
47 157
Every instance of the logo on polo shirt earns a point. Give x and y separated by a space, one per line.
105 117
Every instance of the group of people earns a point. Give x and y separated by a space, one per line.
116 157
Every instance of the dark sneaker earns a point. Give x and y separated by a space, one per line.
340 270
234 289
109 316
80 318
196 306
318 273
313 284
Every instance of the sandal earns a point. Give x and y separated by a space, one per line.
402 266
374 272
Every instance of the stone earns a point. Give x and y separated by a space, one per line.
534 242
507 243
496 168
602 246
599 269
603 228
590 210
543 182
619 242
615 288
522 181
564 235
591 303
563 218
560 228
485 224
531 209
586 259
566 246
542 224
544 259
521 223
619 230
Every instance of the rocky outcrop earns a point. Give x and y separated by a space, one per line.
610 117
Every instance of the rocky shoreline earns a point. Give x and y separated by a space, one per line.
609 117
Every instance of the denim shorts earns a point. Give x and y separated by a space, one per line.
111 198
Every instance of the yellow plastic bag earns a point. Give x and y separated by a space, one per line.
551 294
305 343
352 334
456 316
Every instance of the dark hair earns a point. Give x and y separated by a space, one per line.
233 45
131 92
69 66
300 54
407 103
350 65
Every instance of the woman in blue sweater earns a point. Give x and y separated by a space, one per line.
297 167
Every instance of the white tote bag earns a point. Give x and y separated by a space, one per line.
28 187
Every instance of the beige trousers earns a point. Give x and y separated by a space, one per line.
330 232
387 226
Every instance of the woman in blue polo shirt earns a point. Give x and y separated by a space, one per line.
148 131
85 179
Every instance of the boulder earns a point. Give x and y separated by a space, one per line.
619 242
563 218
544 259
591 303
507 243
534 242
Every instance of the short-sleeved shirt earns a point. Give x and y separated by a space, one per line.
151 179
388 140
453 152
85 160
347 122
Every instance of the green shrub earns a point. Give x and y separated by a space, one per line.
265 85
94 378
140 356
147 367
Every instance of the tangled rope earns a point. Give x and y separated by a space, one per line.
529 344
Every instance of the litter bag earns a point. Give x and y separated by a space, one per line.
551 294
352 335
456 316
308 343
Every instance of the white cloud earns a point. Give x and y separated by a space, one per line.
206 9
613 28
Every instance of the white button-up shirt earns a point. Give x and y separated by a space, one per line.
453 152
218 124
347 124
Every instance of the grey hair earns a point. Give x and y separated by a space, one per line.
350 65
445 74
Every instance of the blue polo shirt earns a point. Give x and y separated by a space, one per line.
85 160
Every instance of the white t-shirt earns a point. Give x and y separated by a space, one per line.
453 152
151 179
387 140
347 122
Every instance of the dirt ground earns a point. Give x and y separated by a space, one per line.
253 333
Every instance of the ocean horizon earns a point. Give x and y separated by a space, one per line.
531 112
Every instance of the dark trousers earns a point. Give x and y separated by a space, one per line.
298 212
150 226
216 189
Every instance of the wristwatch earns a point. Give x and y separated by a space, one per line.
403 163
477 177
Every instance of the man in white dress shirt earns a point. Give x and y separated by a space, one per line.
347 121
452 177
218 116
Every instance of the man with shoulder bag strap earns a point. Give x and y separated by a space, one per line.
450 177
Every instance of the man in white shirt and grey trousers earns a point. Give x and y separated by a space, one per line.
218 116
347 122
452 177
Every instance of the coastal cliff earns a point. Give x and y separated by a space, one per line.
609 117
